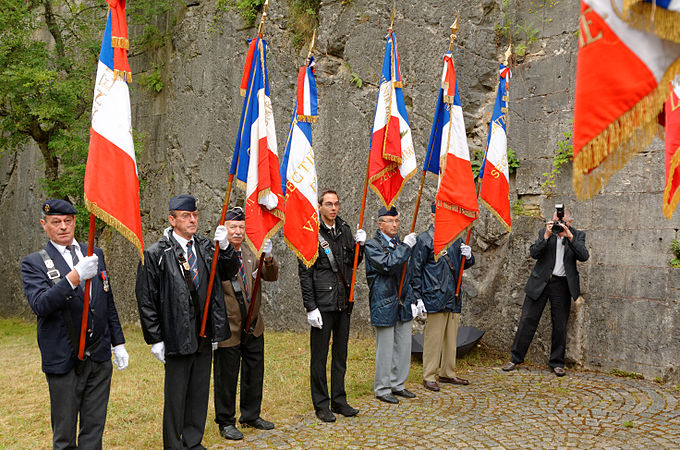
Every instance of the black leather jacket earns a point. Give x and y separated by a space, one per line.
321 287
166 309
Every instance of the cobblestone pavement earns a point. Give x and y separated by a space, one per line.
527 408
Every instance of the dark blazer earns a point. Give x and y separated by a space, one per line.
544 252
48 301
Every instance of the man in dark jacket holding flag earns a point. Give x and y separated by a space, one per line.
433 285
392 318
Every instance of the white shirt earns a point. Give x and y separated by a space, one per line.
389 239
183 243
558 270
66 254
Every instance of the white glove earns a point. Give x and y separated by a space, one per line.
414 310
361 236
410 239
465 250
158 350
267 249
87 267
214 346
221 237
314 318
421 308
120 356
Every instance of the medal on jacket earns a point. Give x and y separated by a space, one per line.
326 247
184 263
105 280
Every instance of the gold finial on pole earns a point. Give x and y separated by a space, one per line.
311 46
507 55
394 13
260 29
454 31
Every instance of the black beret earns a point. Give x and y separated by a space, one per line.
235 214
183 202
433 207
384 212
56 207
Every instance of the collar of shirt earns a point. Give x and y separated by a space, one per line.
181 241
389 240
66 253
330 229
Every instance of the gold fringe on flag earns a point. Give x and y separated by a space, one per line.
669 203
379 175
124 75
610 150
293 249
655 19
120 42
117 225
243 92
308 119
493 211
458 209
269 235
449 99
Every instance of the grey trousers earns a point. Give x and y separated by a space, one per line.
80 400
392 357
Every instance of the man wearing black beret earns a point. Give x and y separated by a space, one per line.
172 286
54 280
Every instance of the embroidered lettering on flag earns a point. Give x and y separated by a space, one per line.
111 181
392 159
298 173
495 174
622 79
255 163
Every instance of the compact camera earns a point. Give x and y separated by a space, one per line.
559 225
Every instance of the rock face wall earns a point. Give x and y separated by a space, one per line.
629 319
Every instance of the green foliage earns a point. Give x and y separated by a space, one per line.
509 31
247 9
564 155
628 424
520 209
478 158
513 161
153 81
675 246
355 80
304 15
624 374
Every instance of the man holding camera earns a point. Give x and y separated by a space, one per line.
554 277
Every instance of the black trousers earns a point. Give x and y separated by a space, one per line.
557 290
337 324
249 356
85 395
187 388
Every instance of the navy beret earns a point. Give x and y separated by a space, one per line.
433 207
183 202
384 212
235 214
56 207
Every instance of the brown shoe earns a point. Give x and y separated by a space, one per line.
454 380
431 386
509 366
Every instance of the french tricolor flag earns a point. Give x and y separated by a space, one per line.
448 156
392 159
111 182
671 194
298 173
495 174
256 163
622 82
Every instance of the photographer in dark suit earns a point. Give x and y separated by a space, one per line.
554 277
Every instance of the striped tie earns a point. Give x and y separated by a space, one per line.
242 272
193 266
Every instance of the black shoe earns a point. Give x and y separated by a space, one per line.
387 398
230 432
325 415
260 424
345 410
404 393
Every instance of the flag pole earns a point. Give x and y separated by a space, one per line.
225 207
86 299
506 58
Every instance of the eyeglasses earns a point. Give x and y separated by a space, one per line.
331 205
186 215
390 221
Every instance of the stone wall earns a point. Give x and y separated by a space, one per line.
629 319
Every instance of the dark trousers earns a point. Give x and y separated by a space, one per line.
557 290
86 395
249 356
337 323
187 388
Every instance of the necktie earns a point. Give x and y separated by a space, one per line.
74 256
193 264
242 272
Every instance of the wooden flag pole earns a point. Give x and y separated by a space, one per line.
413 228
86 299
253 295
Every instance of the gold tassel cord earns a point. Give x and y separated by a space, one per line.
649 17
669 203
610 150
308 119
117 225
120 42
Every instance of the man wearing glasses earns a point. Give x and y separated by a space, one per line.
172 286
325 293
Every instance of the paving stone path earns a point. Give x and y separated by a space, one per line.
527 408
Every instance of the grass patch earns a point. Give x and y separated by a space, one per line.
624 374
628 424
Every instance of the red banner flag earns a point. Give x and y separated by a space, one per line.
671 194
